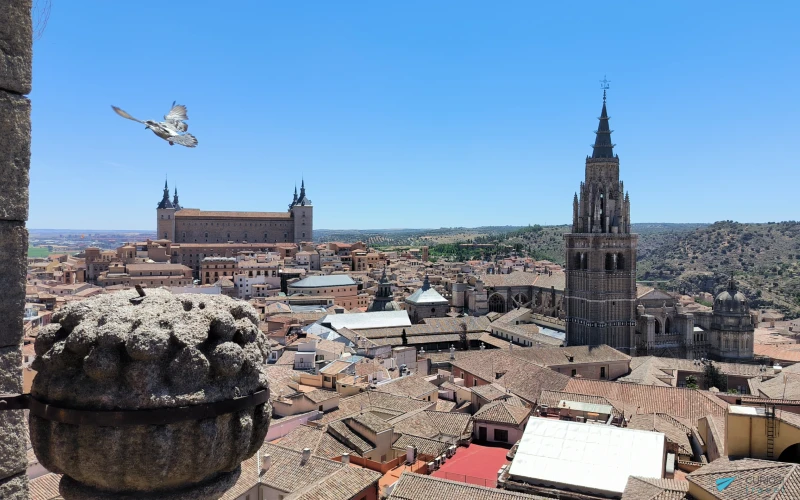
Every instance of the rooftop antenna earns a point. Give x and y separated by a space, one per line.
604 84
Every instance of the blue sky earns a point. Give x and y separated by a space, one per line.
416 114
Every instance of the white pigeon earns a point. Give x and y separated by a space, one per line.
172 129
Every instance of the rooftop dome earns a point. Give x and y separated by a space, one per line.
731 300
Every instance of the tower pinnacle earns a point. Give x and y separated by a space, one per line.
603 148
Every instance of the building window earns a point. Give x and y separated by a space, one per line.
501 435
602 372
574 372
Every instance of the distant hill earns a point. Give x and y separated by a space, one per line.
547 242
690 258
764 258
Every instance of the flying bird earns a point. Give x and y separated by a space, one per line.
172 129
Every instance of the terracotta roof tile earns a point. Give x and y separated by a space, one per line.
522 377
45 487
647 488
345 483
633 398
418 487
747 471
502 413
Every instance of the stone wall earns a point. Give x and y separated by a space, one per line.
194 230
16 47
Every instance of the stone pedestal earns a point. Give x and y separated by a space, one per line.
121 352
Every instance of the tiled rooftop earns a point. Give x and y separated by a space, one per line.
683 403
747 471
500 412
648 488
418 487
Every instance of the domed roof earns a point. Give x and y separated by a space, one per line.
731 300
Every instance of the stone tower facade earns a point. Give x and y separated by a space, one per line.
303 215
732 327
600 289
166 216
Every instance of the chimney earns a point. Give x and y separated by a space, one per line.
345 458
452 352
306 456
266 463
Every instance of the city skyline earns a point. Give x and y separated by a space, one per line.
447 118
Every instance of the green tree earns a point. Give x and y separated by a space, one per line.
715 378
691 382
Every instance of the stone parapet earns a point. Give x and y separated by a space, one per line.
15 155
16 47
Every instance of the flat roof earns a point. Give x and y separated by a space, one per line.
745 410
587 407
359 321
596 459
324 281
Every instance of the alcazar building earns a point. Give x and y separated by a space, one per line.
192 225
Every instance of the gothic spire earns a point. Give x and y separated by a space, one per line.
175 199
165 203
603 148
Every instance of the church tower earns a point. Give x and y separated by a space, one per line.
303 214
600 290
165 212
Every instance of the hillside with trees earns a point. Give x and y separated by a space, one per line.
763 258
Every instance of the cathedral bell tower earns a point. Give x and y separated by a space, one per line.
600 290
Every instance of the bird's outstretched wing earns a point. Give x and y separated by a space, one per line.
187 140
123 114
176 116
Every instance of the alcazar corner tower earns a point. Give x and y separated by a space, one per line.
191 225
600 288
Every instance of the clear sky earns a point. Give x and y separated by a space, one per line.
416 114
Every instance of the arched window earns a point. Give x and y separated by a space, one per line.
668 326
497 304
658 327
577 260
609 262
620 262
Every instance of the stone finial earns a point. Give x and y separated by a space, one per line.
161 351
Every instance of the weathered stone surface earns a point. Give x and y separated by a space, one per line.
15 152
16 46
159 351
13 265
208 490
12 423
10 370
15 487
